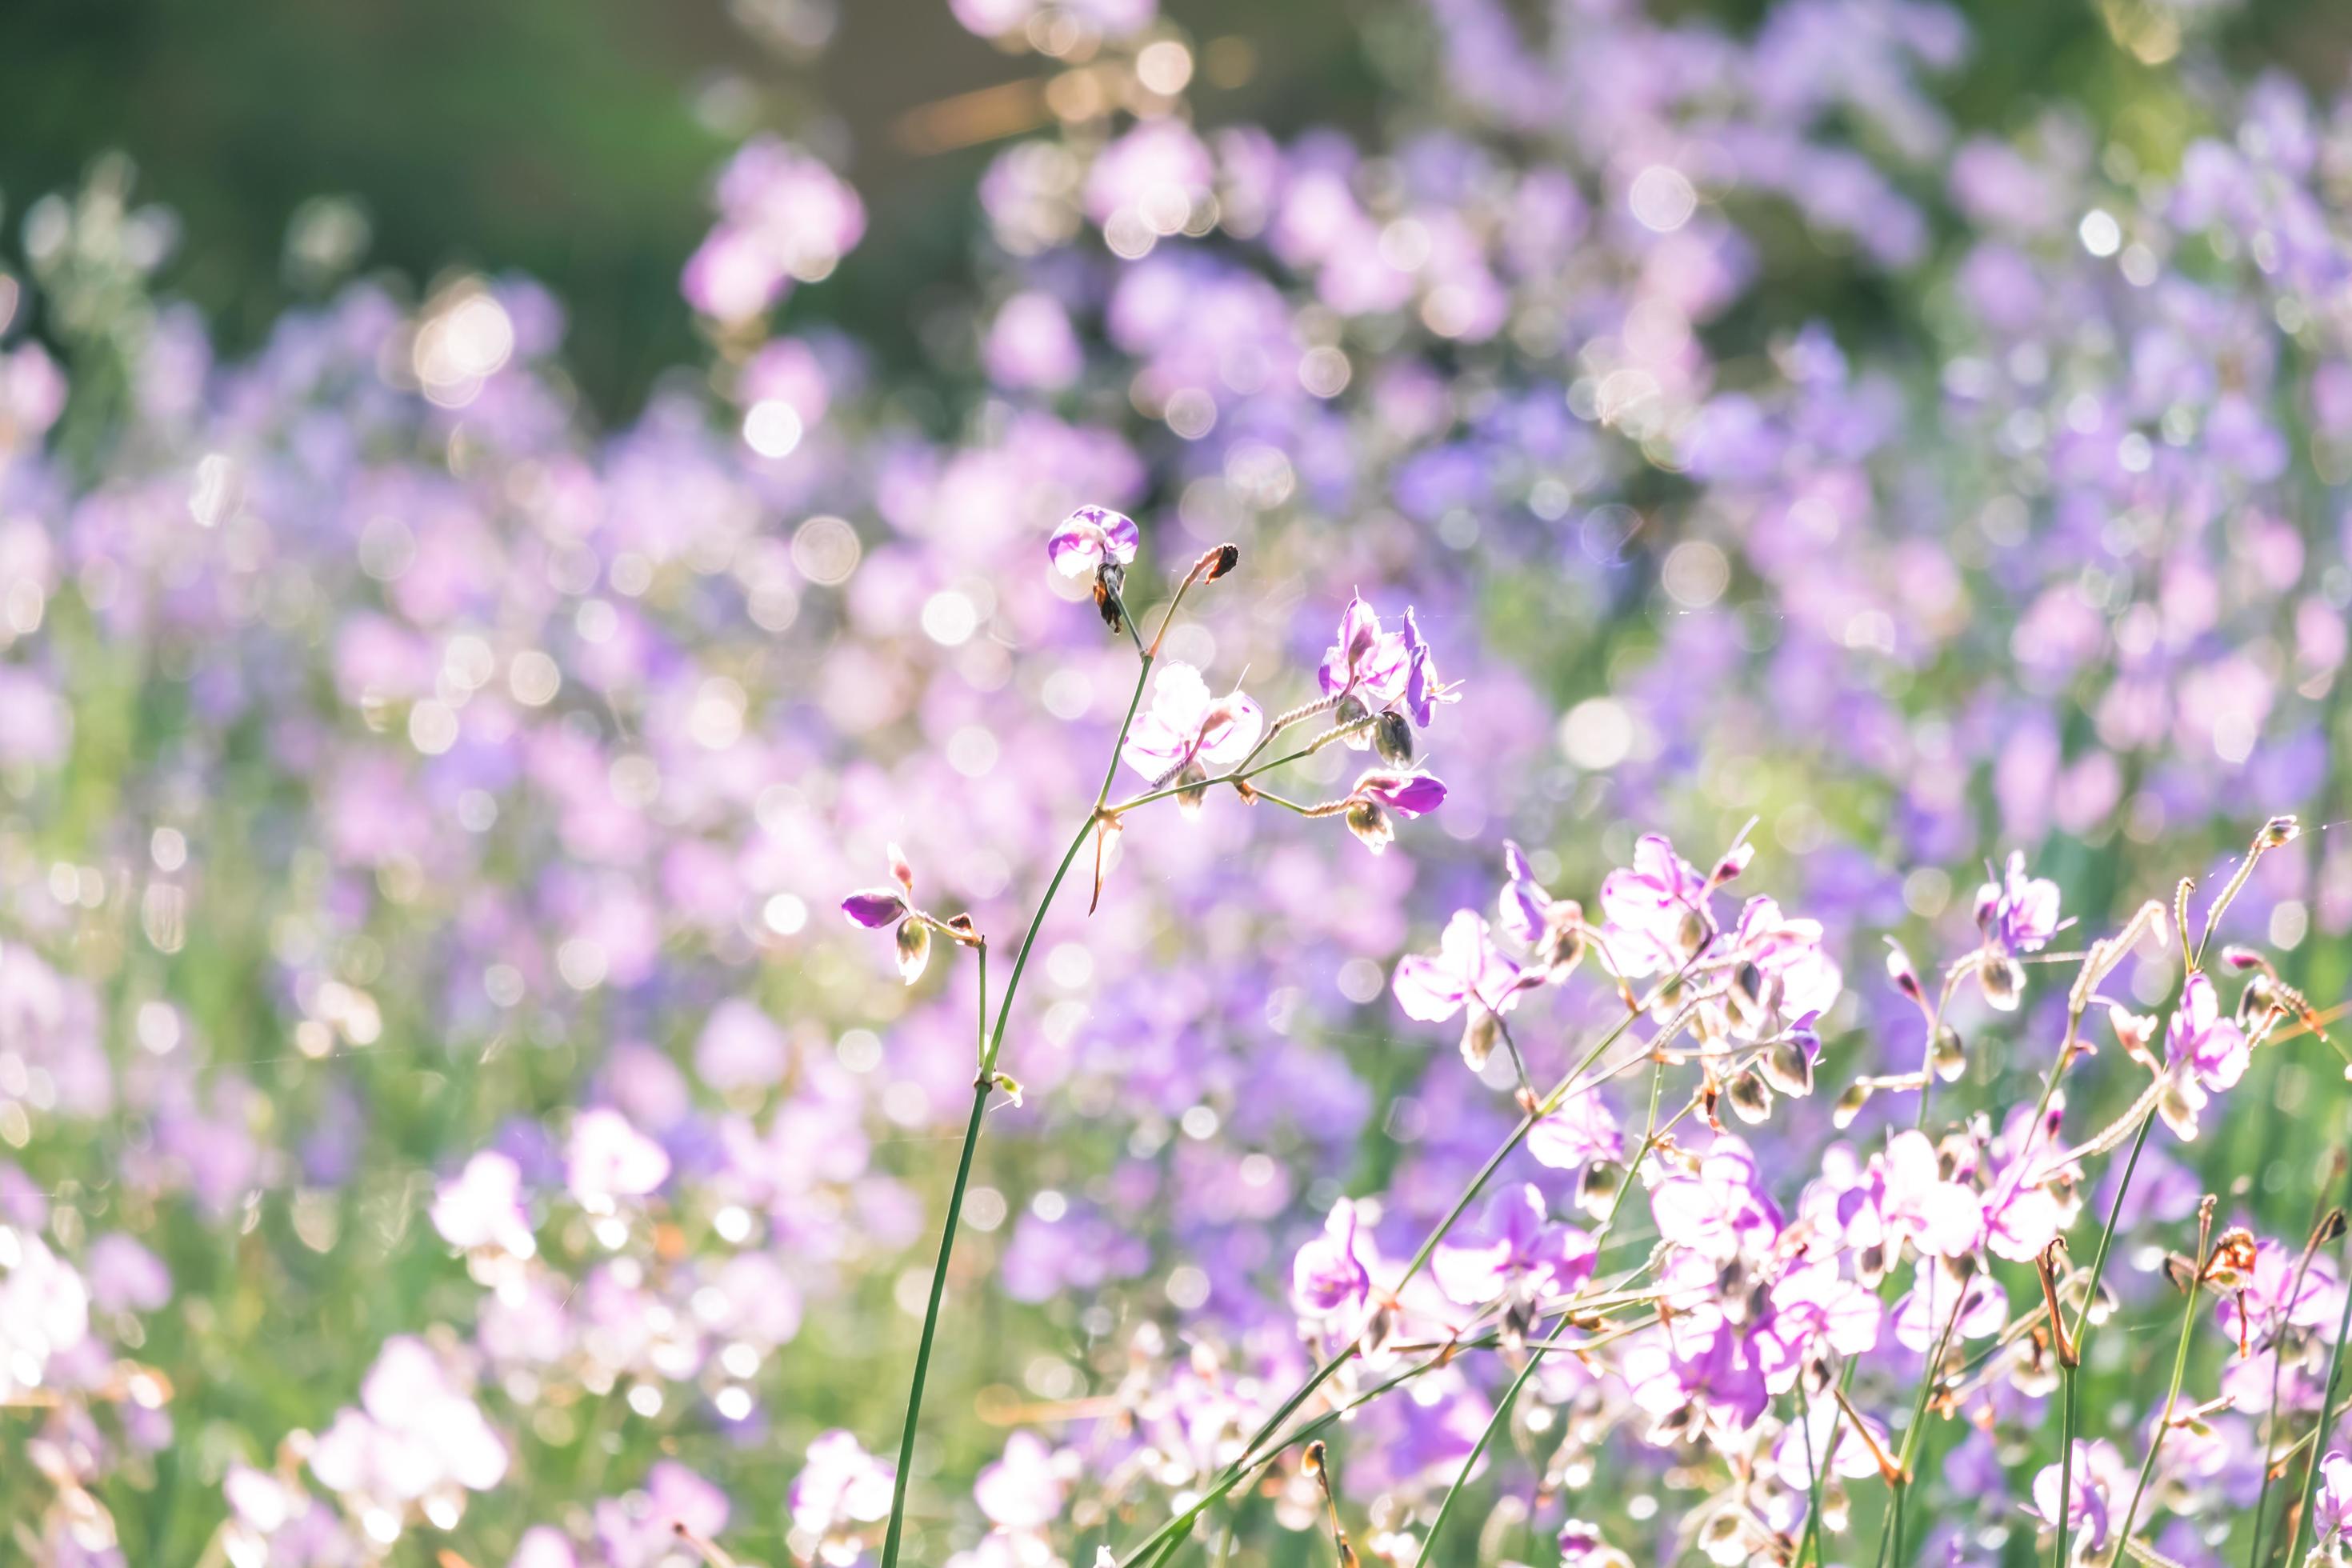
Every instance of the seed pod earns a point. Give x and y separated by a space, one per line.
1596 1193
1369 821
1692 932
1393 738
2002 979
914 948
1478 1037
1788 1068
1950 1059
1752 1102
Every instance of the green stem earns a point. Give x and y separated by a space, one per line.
2327 1416
1248 1459
2278 1365
2065 1465
983 1083
2171 1397
1510 1395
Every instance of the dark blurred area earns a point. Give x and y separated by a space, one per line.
574 140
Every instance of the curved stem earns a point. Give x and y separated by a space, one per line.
991 1044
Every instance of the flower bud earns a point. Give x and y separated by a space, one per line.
1312 1461
1788 1068
2002 979
1752 1102
1226 558
914 948
1393 738
1899 969
1849 1106
2279 830
903 873
1734 862
1947 1055
1367 821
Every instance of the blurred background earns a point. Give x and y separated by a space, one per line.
574 140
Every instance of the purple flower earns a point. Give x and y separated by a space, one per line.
874 907
1091 538
2098 1469
1515 1251
1941 1218
2018 913
1327 1278
1187 730
1579 1132
1366 662
1377 794
1023 1490
2331 1505
1409 795
482 1207
1424 691
609 1159
1657 907
840 1487
2204 1053
1467 970
1718 1209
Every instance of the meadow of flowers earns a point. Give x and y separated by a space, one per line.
1408 870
